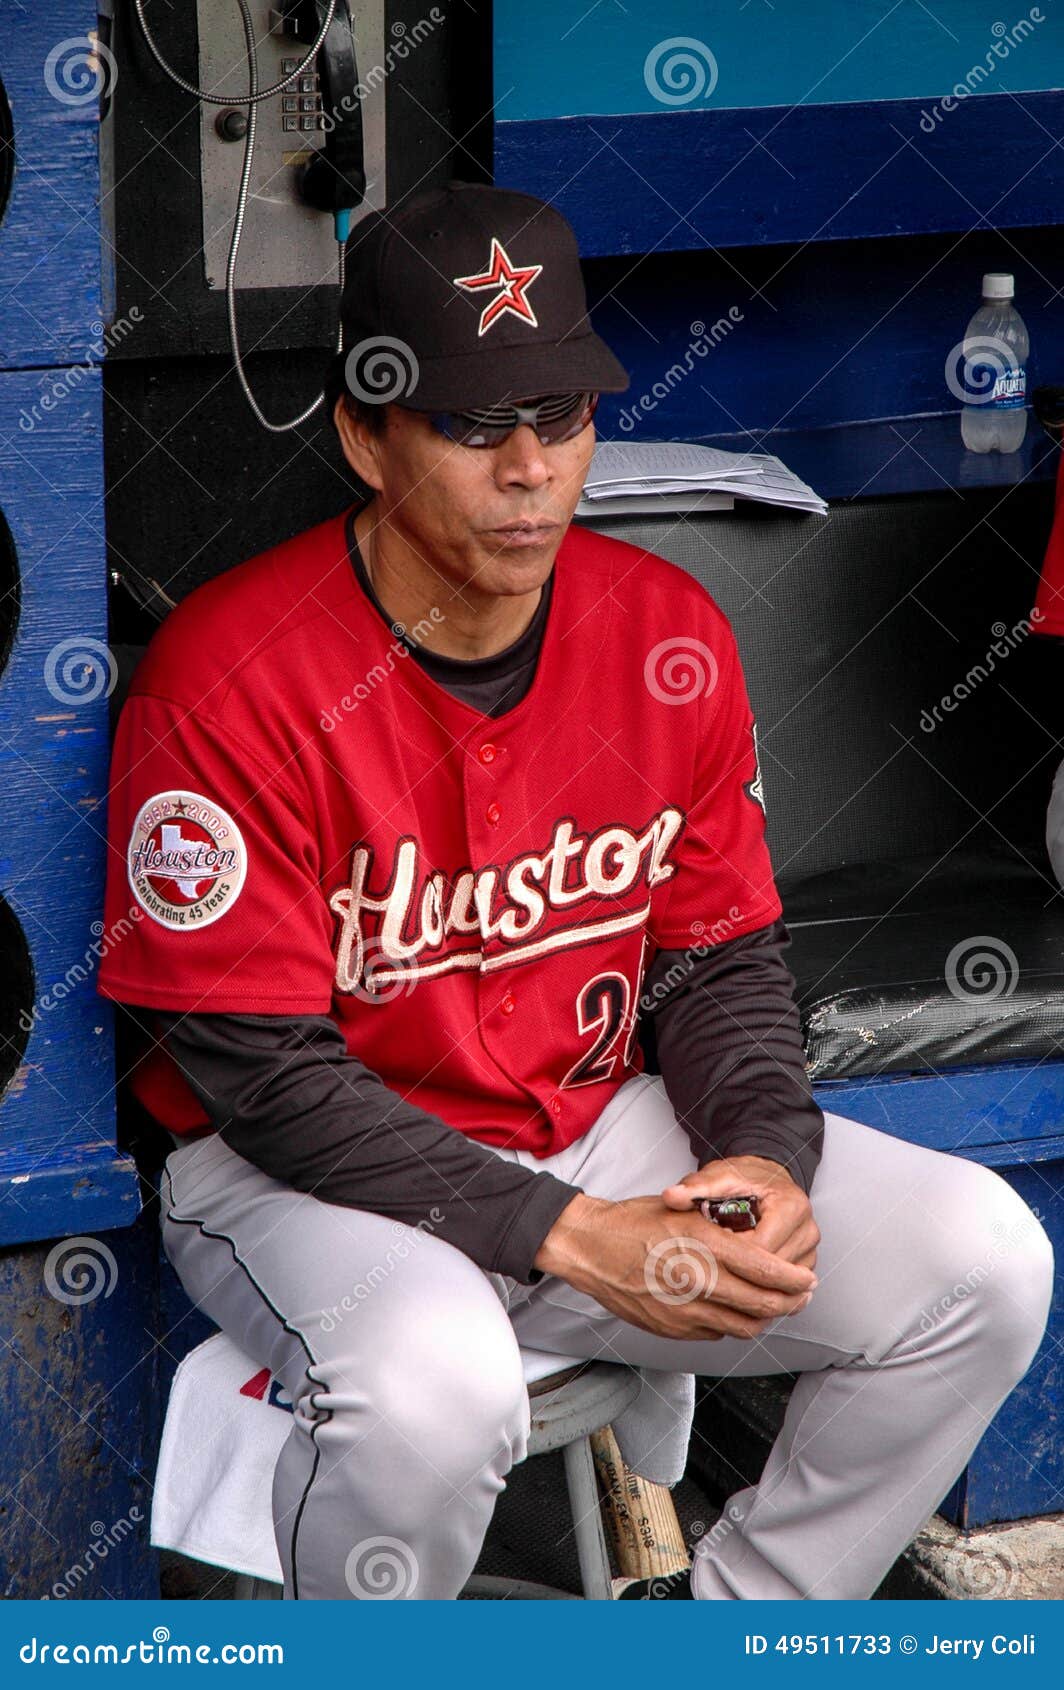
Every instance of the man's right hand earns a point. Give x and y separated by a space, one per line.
673 1273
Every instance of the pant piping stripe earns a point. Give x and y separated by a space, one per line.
223 1237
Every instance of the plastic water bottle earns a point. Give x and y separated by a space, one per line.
995 349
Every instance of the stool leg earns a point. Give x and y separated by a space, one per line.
587 1522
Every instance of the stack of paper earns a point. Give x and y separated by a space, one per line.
778 485
632 478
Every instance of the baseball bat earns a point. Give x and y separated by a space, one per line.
641 1519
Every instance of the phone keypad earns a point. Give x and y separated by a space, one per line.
301 105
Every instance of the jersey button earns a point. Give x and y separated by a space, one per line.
508 1004
486 754
555 1105
493 813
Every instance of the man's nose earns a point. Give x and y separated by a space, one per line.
521 459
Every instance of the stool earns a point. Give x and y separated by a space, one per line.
567 1407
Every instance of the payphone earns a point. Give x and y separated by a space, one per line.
292 144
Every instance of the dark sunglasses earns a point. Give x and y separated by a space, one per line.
560 416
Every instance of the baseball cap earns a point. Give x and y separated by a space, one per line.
466 296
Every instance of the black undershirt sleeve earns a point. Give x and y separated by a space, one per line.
729 1045
285 1094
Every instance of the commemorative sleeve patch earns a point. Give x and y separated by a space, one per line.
186 860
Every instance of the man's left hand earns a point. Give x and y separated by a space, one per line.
786 1226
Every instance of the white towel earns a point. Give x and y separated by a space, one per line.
227 1419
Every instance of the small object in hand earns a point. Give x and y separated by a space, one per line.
736 1214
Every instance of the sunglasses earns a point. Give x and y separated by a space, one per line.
561 416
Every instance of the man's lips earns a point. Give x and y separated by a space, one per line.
523 533
523 526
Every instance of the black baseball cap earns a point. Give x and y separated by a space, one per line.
467 296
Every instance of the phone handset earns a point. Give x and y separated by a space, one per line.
334 179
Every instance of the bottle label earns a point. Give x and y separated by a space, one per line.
1010 391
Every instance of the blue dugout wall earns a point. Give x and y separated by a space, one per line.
764 160
76 1297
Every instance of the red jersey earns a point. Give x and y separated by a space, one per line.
302 821
1047 617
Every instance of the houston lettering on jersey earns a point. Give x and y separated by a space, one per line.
511 903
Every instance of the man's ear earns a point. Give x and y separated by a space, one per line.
359 445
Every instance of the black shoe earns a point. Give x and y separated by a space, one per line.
674 1587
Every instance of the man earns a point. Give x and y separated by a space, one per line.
418 820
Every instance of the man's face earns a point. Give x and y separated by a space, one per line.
463 507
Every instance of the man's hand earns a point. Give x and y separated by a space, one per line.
673 1273
786 1227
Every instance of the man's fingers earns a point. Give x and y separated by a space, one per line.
686 1197
778 1230
708 1322
775 1230
756 1301
749 1261
731 1323
695 1187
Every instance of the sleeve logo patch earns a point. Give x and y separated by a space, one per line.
186 860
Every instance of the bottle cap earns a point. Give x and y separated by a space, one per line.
998 286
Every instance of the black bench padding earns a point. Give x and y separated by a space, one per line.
919 963
852 628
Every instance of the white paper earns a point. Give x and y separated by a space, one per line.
637 470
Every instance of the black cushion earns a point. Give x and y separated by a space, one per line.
916 963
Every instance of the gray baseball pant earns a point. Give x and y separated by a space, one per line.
402 1357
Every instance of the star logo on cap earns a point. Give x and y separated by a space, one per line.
511 280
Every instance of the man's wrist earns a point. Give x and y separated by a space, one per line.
780 1158
569 1239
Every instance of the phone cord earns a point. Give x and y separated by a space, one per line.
251 101
229 99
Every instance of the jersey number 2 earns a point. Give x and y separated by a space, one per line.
605 1005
